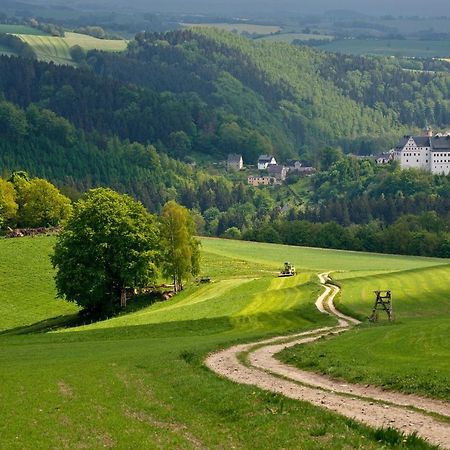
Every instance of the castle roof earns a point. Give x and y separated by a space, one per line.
440 143
436 143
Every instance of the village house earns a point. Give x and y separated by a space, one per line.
293 165
384 158
429 153
261 181
265 161
277 171
235 162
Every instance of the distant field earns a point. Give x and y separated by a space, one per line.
49 48
393 47
21 29
239 27
314 258
407 25
57 49
92 43
289 37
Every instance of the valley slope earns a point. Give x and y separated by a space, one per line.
140 377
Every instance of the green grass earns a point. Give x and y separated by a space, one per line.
137 381
57 49
92 43
49 48
390 47
21 29
415 293
410 355
27 292
315 259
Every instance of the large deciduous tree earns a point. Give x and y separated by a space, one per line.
179 248
110 243
41 204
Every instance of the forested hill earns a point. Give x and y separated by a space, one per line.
134 122
209 92
299 97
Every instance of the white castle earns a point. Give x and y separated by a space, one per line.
428 152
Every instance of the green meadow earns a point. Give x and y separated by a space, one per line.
411 354
57 49
21 29
138 381
413 48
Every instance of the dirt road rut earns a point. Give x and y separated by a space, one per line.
368 404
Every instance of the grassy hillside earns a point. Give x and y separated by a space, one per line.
416 293
57 49
412 351
315 258
27 293
140 383
92 43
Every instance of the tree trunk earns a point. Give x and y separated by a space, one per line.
123 298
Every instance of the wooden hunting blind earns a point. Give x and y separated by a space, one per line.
383 302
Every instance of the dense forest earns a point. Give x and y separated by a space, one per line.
358 205
210 92
143 122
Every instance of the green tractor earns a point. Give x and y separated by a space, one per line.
288 271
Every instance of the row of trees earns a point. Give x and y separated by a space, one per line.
50 28
111 243
409 235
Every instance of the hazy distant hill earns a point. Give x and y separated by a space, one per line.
251 7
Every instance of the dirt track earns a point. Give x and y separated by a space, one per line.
368 404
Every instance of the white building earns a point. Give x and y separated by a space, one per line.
430 153
265 161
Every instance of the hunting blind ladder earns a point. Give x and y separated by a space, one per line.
383 302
